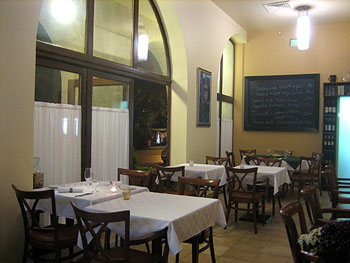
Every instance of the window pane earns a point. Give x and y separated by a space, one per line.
227 85
62 23
226 111
57 125
109 93
113 30
148 28
110 128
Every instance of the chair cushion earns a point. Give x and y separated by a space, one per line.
247 197
136 256
67 237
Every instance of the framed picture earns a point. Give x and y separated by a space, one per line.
203 97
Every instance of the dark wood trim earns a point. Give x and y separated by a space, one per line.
233 90
90 27
136 35
225 98
131 124
164 35
68 56
169 91
220 101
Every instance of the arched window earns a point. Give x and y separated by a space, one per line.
90 54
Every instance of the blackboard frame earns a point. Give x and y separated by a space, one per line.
249 92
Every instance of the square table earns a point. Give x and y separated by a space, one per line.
100 194
277 175
205 171
184 216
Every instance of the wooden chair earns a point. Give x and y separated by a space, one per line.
52 238
219 161
231 159
287 212
247 153
164 177
338 188
201 187
304 176
318 169
272 162
242 189
314 210
95 251
136 177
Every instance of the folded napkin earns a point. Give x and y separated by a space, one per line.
69 190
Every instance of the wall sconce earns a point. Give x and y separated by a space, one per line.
303 28
142 49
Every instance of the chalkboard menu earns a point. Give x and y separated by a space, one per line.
282 103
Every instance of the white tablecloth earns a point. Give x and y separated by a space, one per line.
185 216
205 171
64 208
277 175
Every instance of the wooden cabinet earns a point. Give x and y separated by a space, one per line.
331 92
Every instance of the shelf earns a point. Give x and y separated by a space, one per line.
329 150
329 132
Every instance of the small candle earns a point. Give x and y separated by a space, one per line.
126 194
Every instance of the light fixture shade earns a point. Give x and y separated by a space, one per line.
303 31
142 49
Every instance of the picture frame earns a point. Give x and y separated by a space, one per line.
203 97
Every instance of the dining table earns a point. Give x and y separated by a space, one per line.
291 163
204 171
83 194
183 216
277 175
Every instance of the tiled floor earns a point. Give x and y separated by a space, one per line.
238 243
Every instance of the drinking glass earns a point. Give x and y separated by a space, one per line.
88 175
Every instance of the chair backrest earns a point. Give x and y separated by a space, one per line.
313 205
216 160
247 152
287 212
319 161
93 225
311 164
136 177
165 175
200 187
231 159
255 160
28 201
238 179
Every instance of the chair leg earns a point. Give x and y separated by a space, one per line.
263 211
25 252
177 257
228 212
254 218
225 198
195 251
319 183
273 205
236 212
211 244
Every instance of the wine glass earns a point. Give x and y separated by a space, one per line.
88 175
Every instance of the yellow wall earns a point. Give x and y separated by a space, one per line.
267 53
206 30
18 26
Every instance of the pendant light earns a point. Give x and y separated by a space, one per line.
303 28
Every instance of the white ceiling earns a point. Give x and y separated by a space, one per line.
252 16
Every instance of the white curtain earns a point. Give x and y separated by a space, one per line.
110 142
57 141
226 137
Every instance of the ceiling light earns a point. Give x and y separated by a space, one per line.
63 10
303 28
142 49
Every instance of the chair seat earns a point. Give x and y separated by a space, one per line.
247 197
67 237
135 256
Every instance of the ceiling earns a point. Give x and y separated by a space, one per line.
252 16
